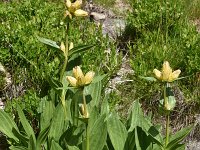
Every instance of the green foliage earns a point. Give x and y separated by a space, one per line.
159 31
77 116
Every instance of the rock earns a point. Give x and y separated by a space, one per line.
113 27
97 16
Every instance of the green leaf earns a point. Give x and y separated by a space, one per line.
178 137
28 129
23 138
138 120
94 115
7 125
148 78
98 134
18 148
57 123
47 108
55 146
98 78
31 144
117 131
79 49
42 138
95 91
48 42
55 84
137 140
72 147
136 116
130 141
104 106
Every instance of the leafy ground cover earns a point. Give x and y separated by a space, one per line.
156 31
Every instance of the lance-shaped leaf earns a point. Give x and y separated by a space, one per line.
7 125
117 131
178 137
42 138
55 146
98 134
57 123
48 42
79 49
28 129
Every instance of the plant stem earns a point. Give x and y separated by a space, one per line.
87 138
167 115
64 68
66 52
167 130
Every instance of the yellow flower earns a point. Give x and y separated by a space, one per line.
74 9
166 75
79 79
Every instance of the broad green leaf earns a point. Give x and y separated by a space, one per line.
136 116
42 138
95 91
98 134
137 119
55 146
178 137
104 106
94 115
7 125
48 42
28 129
57 123
117 131
47 109
79 49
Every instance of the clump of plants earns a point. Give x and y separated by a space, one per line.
75 115
161 30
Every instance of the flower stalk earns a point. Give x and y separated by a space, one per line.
167 114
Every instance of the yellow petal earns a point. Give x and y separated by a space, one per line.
72 80
81 13
77 4
80 81
174 75
62 47
71 45
78 72
68 3
157 73
67 13
88 77
166 71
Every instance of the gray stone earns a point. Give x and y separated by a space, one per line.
97 16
